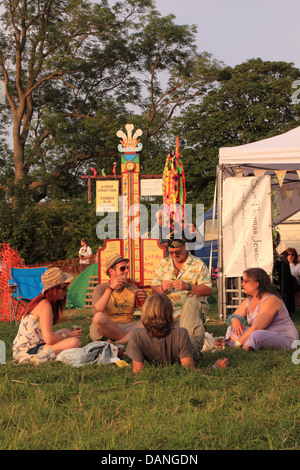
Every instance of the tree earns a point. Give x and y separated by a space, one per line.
250 102
49 231
67 95
71 71
174 73
64 91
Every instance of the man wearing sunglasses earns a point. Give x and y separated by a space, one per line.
113 303
185 279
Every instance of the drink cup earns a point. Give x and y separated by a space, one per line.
220 342
75 327
139 300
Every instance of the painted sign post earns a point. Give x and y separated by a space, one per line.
130 189
144 255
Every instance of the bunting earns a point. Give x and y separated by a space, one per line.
280 176
259 172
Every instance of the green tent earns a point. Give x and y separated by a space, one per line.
78 288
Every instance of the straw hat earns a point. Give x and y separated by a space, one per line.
53 277
114 259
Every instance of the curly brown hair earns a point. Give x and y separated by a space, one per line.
264 281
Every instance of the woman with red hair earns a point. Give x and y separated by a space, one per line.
36 341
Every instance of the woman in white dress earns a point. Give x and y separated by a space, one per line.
36 341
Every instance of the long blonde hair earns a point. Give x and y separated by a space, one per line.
157 315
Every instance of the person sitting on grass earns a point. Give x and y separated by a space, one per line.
187 283
157 340
270 325
114 302
35 338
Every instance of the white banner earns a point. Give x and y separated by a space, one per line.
247 225
151 187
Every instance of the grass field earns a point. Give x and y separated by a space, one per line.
253 404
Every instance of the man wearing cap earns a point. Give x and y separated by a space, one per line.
113 303
185 279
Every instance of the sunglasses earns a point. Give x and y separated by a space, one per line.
63 288
123 268
245 281
290 254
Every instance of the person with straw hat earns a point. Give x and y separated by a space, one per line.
114 302
36 339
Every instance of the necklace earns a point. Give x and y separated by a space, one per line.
119 290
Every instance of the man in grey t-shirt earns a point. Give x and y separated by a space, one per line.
173 347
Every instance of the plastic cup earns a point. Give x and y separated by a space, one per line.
139 302
220 342
75 327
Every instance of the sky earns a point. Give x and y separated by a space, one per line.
234 31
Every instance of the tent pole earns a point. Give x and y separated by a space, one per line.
213 227
221 279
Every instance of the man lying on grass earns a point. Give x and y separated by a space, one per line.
157 340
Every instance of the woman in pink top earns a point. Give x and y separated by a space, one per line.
270 325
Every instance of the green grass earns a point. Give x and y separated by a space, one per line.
252 404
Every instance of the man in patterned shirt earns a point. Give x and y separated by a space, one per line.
185 280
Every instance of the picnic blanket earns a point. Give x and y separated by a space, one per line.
97 352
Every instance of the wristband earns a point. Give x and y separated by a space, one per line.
242 320
109 287
237 343
214 367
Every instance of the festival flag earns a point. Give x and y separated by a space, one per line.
174 192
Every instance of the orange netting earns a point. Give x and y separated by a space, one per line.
10 258
68 265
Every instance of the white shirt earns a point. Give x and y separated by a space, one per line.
295 270
85 251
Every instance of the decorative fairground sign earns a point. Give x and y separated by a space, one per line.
130 189
144 255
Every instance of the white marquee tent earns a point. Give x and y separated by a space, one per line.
278 157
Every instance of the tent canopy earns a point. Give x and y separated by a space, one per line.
278 156
279 151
